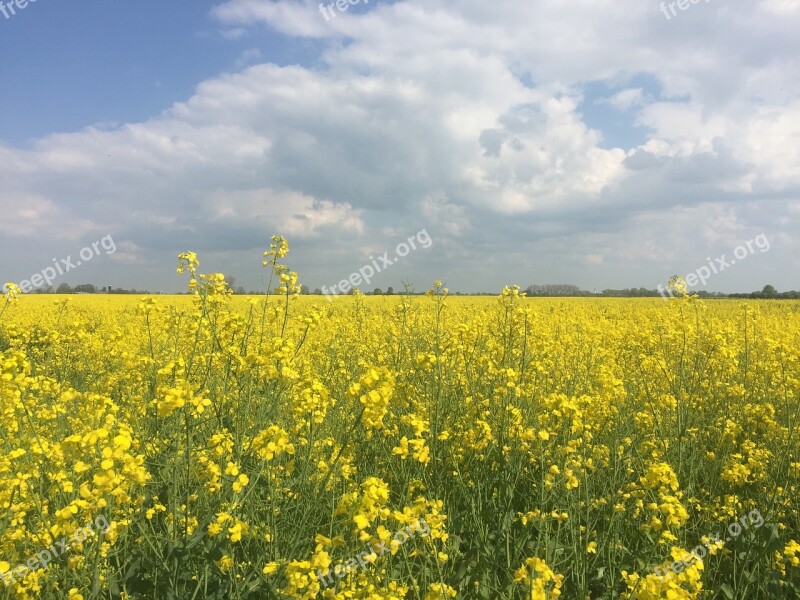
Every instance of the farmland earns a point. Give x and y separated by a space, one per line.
278 447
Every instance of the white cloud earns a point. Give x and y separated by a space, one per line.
465 116
289 213
627 98
451 217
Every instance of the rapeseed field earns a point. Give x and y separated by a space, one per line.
417 447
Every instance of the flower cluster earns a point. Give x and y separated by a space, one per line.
286 447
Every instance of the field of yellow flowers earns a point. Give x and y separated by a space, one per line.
418 447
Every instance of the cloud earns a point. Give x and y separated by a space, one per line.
627 98
234 33
462 116
451 217
293 18
289 213
248 57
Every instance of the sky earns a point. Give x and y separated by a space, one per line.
596 143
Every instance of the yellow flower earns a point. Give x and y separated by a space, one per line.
542 582
238 530
81 467
421 451
225 563
377 385
187 261
175 398
361 521
12 292
240 483
440 591
572 481
272 442
402 449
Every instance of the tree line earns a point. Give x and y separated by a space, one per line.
532 291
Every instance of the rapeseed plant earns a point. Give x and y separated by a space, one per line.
239 447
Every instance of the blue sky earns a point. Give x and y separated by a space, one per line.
111 61
599 144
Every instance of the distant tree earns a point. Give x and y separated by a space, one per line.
377 292
64 288
304 290
84 288
240 290
230 280
317 292
554 290
769 292
390 291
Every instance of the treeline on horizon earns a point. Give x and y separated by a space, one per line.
532 291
